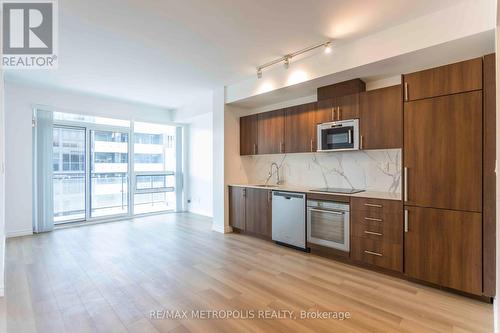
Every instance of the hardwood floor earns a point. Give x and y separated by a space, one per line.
109 277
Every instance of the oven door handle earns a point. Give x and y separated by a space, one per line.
349 134
327 211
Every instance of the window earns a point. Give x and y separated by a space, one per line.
154 167
92 177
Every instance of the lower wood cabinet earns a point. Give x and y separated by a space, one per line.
377 232
237 207
444 247
250 210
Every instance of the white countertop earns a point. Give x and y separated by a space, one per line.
291 188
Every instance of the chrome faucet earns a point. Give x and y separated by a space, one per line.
278 180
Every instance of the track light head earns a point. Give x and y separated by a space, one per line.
287 62
259 73
328 47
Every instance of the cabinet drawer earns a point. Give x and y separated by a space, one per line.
376 207
387 227
378 253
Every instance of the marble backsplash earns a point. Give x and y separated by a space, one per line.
374 170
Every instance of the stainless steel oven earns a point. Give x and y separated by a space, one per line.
338 135
328 224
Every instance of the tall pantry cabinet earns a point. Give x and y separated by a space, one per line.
443 175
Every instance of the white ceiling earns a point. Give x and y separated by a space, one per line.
168 52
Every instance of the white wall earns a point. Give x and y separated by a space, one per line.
19 102
199 187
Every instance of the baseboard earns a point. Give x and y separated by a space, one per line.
223 230
19 233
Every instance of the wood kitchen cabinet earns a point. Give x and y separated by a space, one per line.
445 80
250 210
248 135
237 207
271 132
443 152
377 232
338 108
258 212
444 247
300 128
381 118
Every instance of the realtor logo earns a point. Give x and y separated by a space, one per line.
29 34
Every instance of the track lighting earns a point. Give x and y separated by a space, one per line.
286 59
259 73
328 47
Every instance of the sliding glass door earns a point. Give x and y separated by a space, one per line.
108 173
105 168
68 173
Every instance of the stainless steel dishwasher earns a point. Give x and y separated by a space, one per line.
289 219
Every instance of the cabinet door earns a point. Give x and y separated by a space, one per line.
347 107
271 132
381 118
450 79
237 207
444 247
443 152
258 212
300 129
248 135
324 111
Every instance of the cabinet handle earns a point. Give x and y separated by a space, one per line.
405 183
373 253
255 149
244 193
373 219
269 196
373 205
282 147
338 113
361 142
333 114
406 91
373 233
312 149
407 227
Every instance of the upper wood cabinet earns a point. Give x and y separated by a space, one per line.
300 128
443 152
271 132
340 89
338 108
451 79
381 118
248 135
444 247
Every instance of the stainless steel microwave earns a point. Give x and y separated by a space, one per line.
338 135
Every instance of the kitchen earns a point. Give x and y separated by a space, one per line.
398 179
